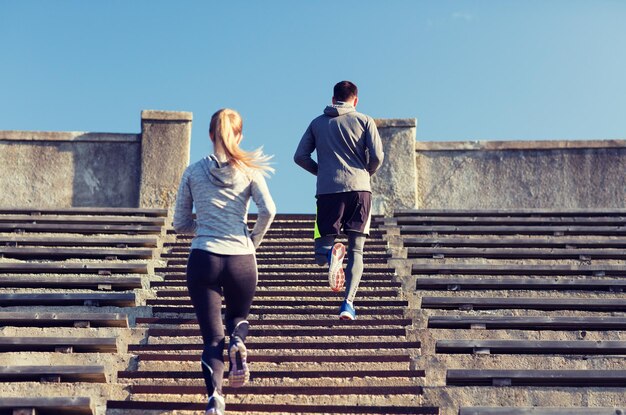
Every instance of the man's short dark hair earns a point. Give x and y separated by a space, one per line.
344 91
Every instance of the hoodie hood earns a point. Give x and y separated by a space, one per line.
340 108
220 174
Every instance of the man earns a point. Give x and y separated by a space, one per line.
349 151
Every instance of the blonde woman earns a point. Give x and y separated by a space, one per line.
222 259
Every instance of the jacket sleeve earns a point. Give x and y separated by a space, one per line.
266 207
302 157
183 212
374 147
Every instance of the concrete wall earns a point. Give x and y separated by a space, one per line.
72 169
165 146
394 184
521 174
48 169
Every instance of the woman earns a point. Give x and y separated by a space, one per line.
222 259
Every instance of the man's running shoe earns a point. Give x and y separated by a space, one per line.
346 312
239 372
336 276
216 405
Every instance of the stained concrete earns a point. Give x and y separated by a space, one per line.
394 184
52 170
165 144
79 169
69 169
517 175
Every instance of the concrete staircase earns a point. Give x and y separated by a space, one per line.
303 359
459 312
517 312
72 282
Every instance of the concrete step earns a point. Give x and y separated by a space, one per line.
310 321
527 221
59 344
535 410
451 398
307 344
528 322
526 242
285 292
85 299
103 268
52 374
78 241
471 303
291 332
259 408
298 302
39 253
599 270
339 355
556 230
47 405
524 213
531 347
517 253
34 319
552 378
521 283
263 312
175 281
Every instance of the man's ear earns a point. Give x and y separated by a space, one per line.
334 101
356 101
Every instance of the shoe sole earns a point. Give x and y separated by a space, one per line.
346 316
336 275
218 409
239 372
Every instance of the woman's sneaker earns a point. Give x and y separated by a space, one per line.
336 276
216 405
347 312
239 373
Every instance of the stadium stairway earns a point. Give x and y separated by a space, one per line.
459 312
516 312
72 283
304 360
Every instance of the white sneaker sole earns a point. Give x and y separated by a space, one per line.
336 275
238 376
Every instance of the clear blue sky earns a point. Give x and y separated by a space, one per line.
467 70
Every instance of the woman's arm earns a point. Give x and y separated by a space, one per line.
183 213
266 207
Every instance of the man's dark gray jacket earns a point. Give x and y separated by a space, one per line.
348 148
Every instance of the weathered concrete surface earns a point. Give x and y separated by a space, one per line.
165 145
394 185
513 175
69 169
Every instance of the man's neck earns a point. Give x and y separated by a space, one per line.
351 102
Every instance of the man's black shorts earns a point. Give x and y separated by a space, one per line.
338 213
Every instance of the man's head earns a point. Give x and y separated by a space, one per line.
346 91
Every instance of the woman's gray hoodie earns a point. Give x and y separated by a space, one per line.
221 195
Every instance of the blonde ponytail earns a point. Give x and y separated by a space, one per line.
225 130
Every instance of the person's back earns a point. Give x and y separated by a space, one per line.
222 258
346 149
349 151
221 194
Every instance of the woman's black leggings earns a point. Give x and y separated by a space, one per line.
208 277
